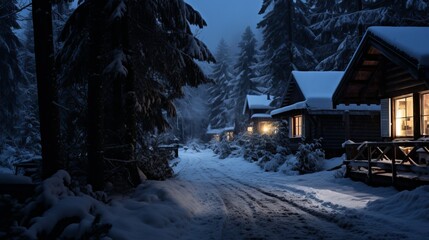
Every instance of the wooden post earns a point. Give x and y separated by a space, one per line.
394 167
346 119
369 165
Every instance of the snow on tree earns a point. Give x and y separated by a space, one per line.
11 74
143 66
287 41
220 91
245 70
340 26
192 114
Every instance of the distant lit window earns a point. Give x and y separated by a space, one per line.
216 137
296 126
250 129
267 128
229 136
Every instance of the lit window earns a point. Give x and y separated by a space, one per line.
250 129
229 136
404 122
425 114
296 126
266 128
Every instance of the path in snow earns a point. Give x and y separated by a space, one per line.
238 208
240 202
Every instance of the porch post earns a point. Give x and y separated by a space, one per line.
416 115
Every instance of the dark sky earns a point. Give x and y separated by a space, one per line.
227 19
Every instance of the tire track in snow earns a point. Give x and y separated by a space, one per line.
279 220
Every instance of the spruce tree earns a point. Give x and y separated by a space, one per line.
11 73
143 66
340 31
287 41
220 91
245 70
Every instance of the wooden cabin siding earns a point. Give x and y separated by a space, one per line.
332 127
365 127
293 94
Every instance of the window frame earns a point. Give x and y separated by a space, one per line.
406 117
293 128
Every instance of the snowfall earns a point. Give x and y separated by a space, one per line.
232 198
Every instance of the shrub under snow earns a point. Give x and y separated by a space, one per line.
310 156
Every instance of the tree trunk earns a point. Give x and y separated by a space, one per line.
130 103
47 87
95 102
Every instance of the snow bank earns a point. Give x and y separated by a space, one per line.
6 178
412 205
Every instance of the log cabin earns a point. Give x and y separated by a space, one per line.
391 68
308 108
257 111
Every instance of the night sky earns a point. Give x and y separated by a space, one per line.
227 19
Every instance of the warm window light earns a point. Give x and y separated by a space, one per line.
266 129
250 129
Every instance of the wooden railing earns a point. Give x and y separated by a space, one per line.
392 157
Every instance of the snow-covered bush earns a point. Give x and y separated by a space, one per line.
59 210
195 145
289 166
310 156
256 146
222 148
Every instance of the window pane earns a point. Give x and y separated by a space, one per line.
424 114
404 117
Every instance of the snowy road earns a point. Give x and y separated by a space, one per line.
238 201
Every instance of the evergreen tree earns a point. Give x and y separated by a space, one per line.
11 73
220 92
29 111
245 70
340 31
143 66
287 41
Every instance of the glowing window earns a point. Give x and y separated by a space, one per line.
424 117
403 115
296 126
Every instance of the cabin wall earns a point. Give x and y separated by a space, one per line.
334 130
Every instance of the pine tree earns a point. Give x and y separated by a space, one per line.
245 72
11 73
287 41
340 31
143 66
220 92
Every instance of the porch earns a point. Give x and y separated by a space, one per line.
403 164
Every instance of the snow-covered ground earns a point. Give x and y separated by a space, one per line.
234 199
231 198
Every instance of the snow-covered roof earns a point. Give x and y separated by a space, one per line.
295 106
260 115
215 131
227 129
413 41
318 87
258 102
